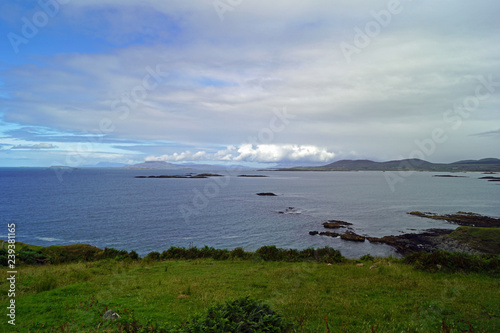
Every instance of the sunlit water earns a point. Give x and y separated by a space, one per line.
111 208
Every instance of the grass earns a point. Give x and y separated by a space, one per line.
483 239
314 297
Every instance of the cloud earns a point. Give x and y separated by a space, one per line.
489 133
263 153
35 147
222 79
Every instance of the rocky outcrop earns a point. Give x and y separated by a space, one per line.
351 236
266 194
428 241
462 218
334 224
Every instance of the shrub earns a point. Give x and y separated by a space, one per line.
241 315
133 255
153 256
270 253
367 257
328 255
239 253
174 253
31 257
454 262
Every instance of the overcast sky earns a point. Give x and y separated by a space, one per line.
248 81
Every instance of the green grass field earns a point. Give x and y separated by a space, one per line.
314 297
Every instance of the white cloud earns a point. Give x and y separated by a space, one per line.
264 153
35 147
225 78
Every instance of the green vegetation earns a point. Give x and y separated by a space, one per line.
302 291
486 240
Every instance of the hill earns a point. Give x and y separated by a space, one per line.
483 165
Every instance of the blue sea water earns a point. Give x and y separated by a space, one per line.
112 208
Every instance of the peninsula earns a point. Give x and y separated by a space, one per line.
483 165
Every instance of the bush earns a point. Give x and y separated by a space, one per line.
153 256
31 257
239 253
328 255
241 315
270 253
133 255
453 262
367 257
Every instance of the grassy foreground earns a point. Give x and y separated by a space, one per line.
375 295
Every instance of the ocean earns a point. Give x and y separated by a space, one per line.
112 208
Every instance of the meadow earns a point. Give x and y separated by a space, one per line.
311 290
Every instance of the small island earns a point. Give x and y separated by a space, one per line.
190 176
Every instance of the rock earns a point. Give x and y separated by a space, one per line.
313 233
334 224
329 234
253 176
351 236
290 210
359 265
266 194
462 218
205 175
110 315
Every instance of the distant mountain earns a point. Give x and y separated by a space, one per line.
105 165
484 165
161 165
154 165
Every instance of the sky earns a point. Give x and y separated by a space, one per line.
248 82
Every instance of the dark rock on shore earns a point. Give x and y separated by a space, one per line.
313 233
462 218
266 194
351 236
428 241
329 234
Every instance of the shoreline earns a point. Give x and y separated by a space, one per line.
466 238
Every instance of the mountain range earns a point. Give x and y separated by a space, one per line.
484 165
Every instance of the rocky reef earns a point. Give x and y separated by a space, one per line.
196 176
335 224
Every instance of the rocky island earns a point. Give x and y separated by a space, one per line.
196 176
